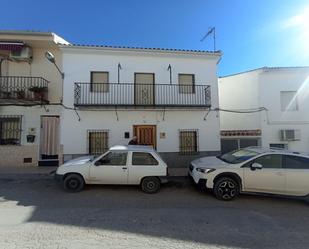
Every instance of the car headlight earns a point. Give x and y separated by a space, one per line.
206 171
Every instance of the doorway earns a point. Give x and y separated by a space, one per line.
50 141
144 88
146 134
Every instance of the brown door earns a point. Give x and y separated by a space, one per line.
146 134
144 88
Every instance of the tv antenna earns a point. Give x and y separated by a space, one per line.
211 30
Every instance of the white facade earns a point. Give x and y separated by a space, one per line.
20 76
80 61
273 89
62 124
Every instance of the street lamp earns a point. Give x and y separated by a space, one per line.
49 56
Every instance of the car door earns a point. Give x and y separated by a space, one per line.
142 164
297 175
110 169
271 178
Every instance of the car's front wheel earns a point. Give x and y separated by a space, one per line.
73 183
150 185
226 189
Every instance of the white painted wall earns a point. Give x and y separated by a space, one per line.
31 118
74 132
271 83
40 67
263 90
79 62
239 91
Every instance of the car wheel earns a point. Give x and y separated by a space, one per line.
73 183
150 185
226 189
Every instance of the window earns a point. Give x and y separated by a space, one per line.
186 83
99 82
228 145
10 130
97 141
114 158
188 141
231 144
271 161
296 162
143 158
279 146
288 101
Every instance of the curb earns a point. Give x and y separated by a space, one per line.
172 180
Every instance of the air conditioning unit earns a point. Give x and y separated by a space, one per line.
25 54
289 135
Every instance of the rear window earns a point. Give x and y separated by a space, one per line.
296 162
143 158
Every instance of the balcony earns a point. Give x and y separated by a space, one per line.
141 95
21 90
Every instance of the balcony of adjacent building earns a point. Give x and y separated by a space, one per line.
141 95
23 90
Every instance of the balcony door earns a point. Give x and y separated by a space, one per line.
144 88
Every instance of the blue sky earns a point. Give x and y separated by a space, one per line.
250 33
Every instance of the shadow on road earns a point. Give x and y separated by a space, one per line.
178 211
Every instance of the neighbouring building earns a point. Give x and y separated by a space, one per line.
30 99
266 106
101 96
162 96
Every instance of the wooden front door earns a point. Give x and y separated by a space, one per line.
144 88
146 134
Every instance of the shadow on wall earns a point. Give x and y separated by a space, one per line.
177 212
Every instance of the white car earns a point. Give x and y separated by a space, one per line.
133 165
253 169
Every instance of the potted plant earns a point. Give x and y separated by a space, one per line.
20 94
39 92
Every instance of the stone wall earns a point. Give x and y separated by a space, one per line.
14 155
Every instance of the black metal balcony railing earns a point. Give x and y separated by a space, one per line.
143 95
23 89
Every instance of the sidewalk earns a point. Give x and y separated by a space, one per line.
26 172
39 172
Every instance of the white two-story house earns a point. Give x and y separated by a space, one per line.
281 93
161 96
30 99
92 97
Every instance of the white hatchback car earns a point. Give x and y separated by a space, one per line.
133 165
253 169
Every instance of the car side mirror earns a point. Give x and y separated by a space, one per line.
255 166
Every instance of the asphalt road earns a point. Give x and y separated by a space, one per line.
36 213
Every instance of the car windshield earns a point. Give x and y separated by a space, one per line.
238 156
